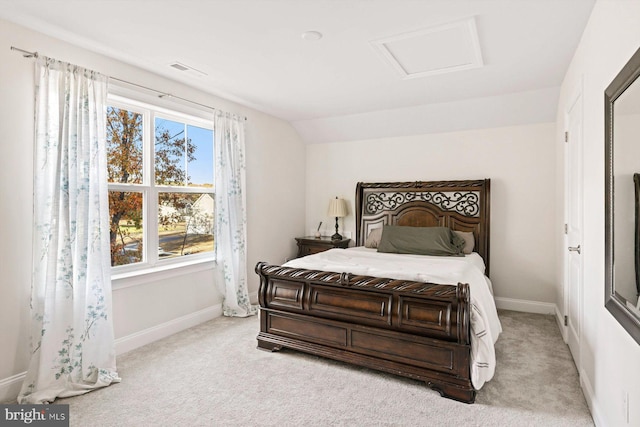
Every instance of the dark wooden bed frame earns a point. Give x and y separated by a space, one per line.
414 329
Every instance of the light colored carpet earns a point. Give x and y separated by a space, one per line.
213 375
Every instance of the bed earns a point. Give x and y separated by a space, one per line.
430 318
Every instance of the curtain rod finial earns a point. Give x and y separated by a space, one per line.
25 53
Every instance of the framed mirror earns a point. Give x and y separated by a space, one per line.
622 197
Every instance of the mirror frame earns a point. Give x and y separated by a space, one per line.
636 230
616 305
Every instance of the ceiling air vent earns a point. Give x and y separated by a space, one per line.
183 67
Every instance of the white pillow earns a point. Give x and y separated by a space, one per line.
373 239
469 240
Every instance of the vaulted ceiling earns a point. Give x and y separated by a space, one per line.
380 68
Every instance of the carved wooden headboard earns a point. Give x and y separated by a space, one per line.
459 205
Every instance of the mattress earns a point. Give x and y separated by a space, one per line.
485 325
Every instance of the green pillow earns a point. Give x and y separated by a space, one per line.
420 241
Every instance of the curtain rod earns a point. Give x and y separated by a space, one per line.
162 94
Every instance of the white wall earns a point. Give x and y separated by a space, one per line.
275 172
609 356
520 162
536 106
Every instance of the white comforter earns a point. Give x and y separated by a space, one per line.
485 326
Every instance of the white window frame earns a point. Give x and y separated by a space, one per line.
152 267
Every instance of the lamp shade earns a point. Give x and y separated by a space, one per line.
337 208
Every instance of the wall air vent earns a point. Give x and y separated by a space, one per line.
186 68
179 66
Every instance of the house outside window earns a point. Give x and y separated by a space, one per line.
161 195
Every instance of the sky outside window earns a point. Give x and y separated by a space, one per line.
193 162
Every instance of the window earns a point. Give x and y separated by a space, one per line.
161 195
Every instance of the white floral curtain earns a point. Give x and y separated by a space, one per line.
231 217
72 342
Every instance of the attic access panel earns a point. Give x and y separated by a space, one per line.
435 50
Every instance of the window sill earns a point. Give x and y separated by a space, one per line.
153 274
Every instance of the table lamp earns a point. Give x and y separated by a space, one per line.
337 209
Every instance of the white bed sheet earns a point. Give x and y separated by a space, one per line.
485 325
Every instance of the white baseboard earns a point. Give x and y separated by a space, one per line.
525 306
147 336
253 297
10 387
589 396
561 326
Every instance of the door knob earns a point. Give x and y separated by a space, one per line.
574 248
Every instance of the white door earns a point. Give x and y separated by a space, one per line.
573 227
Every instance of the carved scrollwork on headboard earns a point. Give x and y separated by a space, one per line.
460 205
465 203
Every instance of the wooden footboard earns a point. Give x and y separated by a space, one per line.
415 329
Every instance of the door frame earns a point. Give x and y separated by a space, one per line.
576 98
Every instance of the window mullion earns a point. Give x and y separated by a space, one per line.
151 205
186 157
152 229
177 189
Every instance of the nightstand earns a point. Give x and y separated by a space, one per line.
313 245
